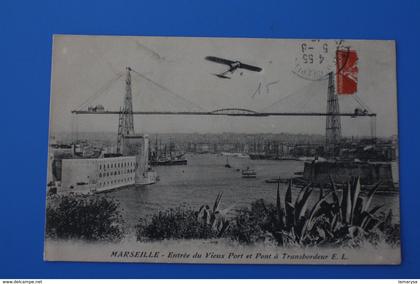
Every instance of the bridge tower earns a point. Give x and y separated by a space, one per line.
333 121
125 120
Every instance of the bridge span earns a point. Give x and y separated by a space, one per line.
227 112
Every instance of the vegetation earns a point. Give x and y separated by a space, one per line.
177 223
184 223
337 217
324 220
83 217
331 221
214 218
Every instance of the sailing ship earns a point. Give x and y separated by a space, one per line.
166 157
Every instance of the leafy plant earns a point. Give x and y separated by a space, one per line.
253 225
177 223
329 221
347 220
185 223
330 218
214 217
84 217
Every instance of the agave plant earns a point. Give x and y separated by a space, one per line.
290 222
349 218
330 219
214 217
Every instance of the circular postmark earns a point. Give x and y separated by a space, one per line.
316 58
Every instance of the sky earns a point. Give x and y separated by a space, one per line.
92 70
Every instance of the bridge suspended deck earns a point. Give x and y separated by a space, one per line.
227 112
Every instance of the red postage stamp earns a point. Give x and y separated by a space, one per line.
347 72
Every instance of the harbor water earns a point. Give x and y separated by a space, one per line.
199 182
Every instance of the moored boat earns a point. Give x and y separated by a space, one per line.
277 180
249 173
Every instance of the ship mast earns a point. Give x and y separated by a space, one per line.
125 121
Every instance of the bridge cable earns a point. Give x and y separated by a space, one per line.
361 103
166 89
293 94
100 91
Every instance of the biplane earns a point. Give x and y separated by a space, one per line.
233 66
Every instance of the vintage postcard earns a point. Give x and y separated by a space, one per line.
223 150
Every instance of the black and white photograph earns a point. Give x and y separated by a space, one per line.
223 150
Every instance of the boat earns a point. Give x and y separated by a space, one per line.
260 156
168 162
167 157
249 173
242 155
277 180
274 157
227 165
237 155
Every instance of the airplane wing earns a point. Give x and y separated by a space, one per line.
222 76
219 60
250 67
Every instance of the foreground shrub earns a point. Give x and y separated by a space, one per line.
328 220
331 221
185 223
178 223
252 225
214 217
83 217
